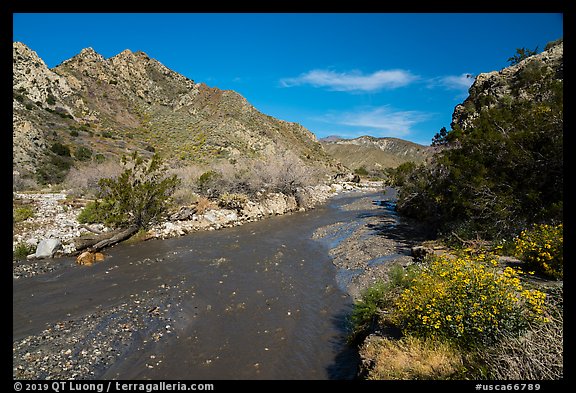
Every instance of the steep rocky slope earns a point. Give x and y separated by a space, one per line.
99 107
520 81
375 153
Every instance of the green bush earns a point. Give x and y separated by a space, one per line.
53 169
60 149
92 213
379 297
22 213
496 177
467 301
232 201
362 171
74 133
542 248
140 195
100 158
22 250
208 183
83 153
521 54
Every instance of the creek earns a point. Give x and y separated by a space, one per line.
257 301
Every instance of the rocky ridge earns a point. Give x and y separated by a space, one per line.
131 102
519 81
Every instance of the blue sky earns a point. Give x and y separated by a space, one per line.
397 75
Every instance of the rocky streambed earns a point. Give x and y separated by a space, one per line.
264 300
364 249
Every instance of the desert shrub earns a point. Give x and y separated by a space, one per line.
53 169
411 358
92 213
361 171
233 201
203 204
22 250
541 247
184 196
74 133
23 213
83 180
521 54
379 297
467 301
60 149
552 44
83 153
535 354
208 183
500 174
100 158
140 195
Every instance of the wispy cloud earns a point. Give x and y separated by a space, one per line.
379 121
353 81
460 82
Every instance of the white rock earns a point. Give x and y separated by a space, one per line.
47 248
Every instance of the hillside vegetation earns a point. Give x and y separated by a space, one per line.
89 110
501 166
374 155
485 298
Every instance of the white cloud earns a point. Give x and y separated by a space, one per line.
453 82
353 81
379 121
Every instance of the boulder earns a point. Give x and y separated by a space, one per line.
185 213
47 248
420 252
88 258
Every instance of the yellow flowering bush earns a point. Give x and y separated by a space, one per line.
467 300
541 247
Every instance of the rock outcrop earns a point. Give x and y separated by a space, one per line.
519 81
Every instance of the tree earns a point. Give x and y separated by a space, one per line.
521 54
440 137
140 195
498 176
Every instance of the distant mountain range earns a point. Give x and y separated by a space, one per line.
374 153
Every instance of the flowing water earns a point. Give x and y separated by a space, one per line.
258 301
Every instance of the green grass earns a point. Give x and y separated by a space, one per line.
22 214
22 250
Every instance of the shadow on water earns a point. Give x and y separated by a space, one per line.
347 360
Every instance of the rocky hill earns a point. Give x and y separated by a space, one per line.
89 108
523 80
375 153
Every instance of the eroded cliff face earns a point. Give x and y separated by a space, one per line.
131 102
525 80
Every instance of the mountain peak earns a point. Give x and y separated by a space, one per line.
132 102
90 54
